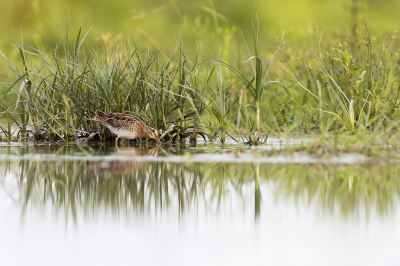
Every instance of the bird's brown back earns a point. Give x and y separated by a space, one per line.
118 120
105 117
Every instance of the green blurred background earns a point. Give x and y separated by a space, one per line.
159 22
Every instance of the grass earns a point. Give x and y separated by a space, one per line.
346 88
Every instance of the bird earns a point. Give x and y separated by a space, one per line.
126 126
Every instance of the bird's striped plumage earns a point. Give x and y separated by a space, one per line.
126 126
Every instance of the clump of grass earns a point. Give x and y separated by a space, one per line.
185 95
66 87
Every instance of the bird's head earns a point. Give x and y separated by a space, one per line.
152 133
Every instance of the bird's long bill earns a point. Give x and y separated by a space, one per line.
158 141
94 119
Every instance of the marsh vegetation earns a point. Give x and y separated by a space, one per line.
346 89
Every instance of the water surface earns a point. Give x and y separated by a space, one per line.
95 204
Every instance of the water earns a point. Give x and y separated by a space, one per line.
179 205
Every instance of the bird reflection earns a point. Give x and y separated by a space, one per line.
123 166
136 151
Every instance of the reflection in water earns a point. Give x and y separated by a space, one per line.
133 186
117 166
135 151
257 192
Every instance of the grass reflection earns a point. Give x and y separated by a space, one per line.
349 189
137 187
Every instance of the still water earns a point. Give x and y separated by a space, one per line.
94 204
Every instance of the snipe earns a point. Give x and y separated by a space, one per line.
126 126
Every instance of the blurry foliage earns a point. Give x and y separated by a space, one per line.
160 23
45 21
